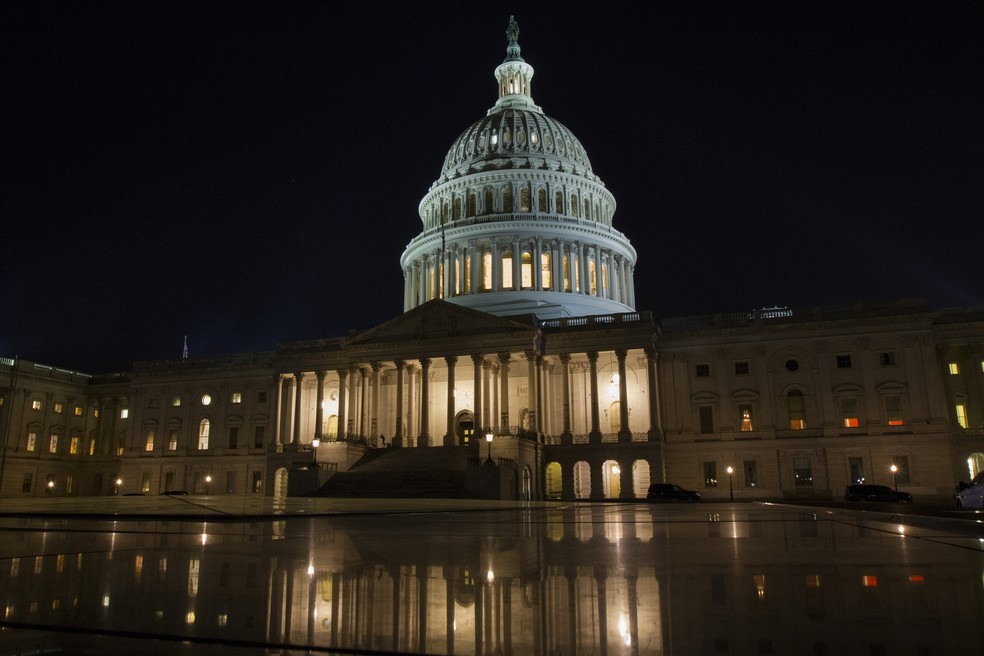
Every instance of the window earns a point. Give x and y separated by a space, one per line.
856 467
175 401
58 408
203 429
849 412
172 440
961 409
954 368
893 410
149 440
32 441
792 365
507 271
545 269
887 359
796 406
526 270
486 271
78 411
751 473
802 472
154 403
843 361
95 413
703 370
261 397
233 437
706 415
745 413
237 397
741 368
206 399
35 404
28 482
145 482
710 474
901 469
230 486
257 485
124 413
69 484
92 446
73 445
758 580
53 443
258 437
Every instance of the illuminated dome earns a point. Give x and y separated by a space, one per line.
518 222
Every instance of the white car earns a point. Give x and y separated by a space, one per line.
971 496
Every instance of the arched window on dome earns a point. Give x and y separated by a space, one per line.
507 199
486 271
506 137
444 212
431 281
524 200
507 271
587 208
604 280
597 212
457 208
203 430
440 280
592 277
541 200
574 204
545 270
456 271
526 270
468 285
470 207
488 206
577 275
567 272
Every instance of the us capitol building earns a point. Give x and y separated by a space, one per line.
522 369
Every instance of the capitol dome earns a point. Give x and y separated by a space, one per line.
518 222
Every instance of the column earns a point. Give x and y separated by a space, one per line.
296 437
353 397
600 578
531 388
582 256
374 425
566 437
342 428
449 440
504 393
477 394
517 267
364 410
319 409
486 396
626 478
476 279
540 405
398 429
411 430
594 437
536 256
494 391
654 421
424 439
496 267
283 418
624 432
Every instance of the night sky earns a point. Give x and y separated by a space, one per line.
249 173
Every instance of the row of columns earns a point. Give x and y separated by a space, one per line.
460 270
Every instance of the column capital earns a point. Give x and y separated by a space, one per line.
342 373
451 360
425 363
477 358
399 363
592 357
376 365
503 357
565 358
320 374
530 355
620 354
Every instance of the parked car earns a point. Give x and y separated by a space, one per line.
866 492
971 495
175 493
669 492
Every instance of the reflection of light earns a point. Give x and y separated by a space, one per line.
310 570
105 601
623 630
616 470
454 625
490 577
190 617
901 529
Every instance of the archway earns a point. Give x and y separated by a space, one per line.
611 479
280 484
554 477
582 480
641 478
615 417
526 492
975 464
464 427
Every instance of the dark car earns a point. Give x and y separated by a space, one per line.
865 492
175 493
669 492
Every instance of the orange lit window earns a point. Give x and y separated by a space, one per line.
850 422
813 580
869 581
917 578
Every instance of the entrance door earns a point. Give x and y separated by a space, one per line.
464 427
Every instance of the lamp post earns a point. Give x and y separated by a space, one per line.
731 482
119 484
895 476
488 438
51 487
208 483
315 443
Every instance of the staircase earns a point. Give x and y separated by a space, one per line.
404 473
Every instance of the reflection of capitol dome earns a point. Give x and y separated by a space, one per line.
518 222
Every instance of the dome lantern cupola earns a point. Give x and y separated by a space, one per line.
517 222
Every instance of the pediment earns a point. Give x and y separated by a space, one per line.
438 319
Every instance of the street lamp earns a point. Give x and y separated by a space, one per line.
119 484
315 443
731 482
208 483
51 487
895 476
488 438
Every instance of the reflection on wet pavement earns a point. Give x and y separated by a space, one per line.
503 578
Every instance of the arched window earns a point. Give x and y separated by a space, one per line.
440 280
604 280
559 202
574 204
526 270
545 267
796 406
577 275
524 200
507 199
592 277
488 207
541 200
567 272
587 208
203 429
457 209
470 208
507 271
486 271
468 285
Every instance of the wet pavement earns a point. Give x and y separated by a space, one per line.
197 574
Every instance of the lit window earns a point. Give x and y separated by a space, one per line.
813 580
703 370
172 440
710 474
487 270
95 413
526 270
92 446
759 581
35 405
73 445
592 278
887 359
917 578
237 397
869 581
175 401
149 440
507 271
206 399
843 361
203 428
58 408
893 410
962 414
849 412
802 471
78 411
741 368
545 270
124 413
745 411
53 443
796 406
32 441
954 368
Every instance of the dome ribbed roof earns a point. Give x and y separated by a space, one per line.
514 132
